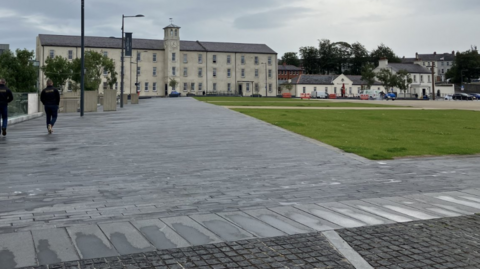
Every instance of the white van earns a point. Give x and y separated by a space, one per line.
319 95
372 94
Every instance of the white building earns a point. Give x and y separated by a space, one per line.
443 62
197 66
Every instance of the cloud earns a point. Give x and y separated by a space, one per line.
275 18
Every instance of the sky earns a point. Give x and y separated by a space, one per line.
406 26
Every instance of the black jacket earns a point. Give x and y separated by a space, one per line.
6 95
50 96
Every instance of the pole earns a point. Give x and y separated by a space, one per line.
433 80
121 69
136 79
82 71
266 85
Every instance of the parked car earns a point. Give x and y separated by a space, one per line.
425 97
463 96
390 96
174 94
448 97
370 94
476 95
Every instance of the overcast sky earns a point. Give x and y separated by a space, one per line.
407 26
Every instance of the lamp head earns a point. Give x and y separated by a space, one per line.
139 16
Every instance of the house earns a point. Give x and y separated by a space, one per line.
197 66
286 72
442 62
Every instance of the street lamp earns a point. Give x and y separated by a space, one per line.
123 56
461 77
433 79
266 89
136 80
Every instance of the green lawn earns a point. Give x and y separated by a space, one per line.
383 134
251 101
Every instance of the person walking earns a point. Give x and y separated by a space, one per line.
50 98
6 97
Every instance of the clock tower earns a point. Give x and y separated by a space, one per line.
172 55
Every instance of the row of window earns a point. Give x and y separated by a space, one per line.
288 72
350 90
430 63
228 87
200 72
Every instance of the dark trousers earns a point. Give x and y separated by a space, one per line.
52 113
4 114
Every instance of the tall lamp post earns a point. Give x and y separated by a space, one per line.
266 85
123 56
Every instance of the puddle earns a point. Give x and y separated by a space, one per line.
461 202
192 235
281 225
337 219
7 259
310 222
225 230
384 214
157 237
255 226
365 218
124 246
45 254
413 213
92 247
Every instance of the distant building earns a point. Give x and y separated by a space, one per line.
443 62
197 66
4 47
286 72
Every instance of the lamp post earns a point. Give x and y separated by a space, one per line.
432 68
461 77
123 56
136 78
266 86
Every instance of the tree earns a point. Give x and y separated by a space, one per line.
58 69
96 65
359 58
173 83
290 58
383 51
288 86
403 80
18 70
310 59
327 57
467 64
387 78
368 76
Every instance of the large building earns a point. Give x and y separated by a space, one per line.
286 72
442 62
197 66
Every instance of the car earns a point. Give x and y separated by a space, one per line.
390 96
476 95
174 94
448 97
320 95
463 96
370 94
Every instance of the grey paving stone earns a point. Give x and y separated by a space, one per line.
252 224
191 231
458 198
305 218
53 246
424 207
379 211
160 235
16 250
90 242
278 221
427 199
412 212
222 228
126 238
369 219
334 217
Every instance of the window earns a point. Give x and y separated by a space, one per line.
350 90
414 78
358 90
200 72
326 89
138 87
448 63
176 32
243 73
138 70
139 56
105 71
185 58
214 59
304 89
154 57
214 72
105 85
52 54
185 86
442 63
174 71
200 86
428 78
443 71
269 73
69 86
335 90
314 89
146 86
421 78
154 86
214 87
174 56
269 60
192 87
229 60
256 60
270 87
70 54
256 73
105 53
229 72
185 71
229 87
256 87
200 58
154 71
248 87
116 85
242 59
424 64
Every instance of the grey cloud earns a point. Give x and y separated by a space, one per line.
270 19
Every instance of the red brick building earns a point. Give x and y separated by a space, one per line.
286 72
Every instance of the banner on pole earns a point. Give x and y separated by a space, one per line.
128 44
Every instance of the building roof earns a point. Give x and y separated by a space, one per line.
152 44
171 25
287 67
408 60
314 79
357 80
410 68
436 57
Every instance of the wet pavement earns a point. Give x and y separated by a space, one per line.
179 173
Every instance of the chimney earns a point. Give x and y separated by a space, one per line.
434 53
383 62
453 52
416 55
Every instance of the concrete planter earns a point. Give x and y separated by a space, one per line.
110 100
134 99
125 98
32 103
91 101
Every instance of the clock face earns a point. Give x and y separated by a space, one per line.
174 44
